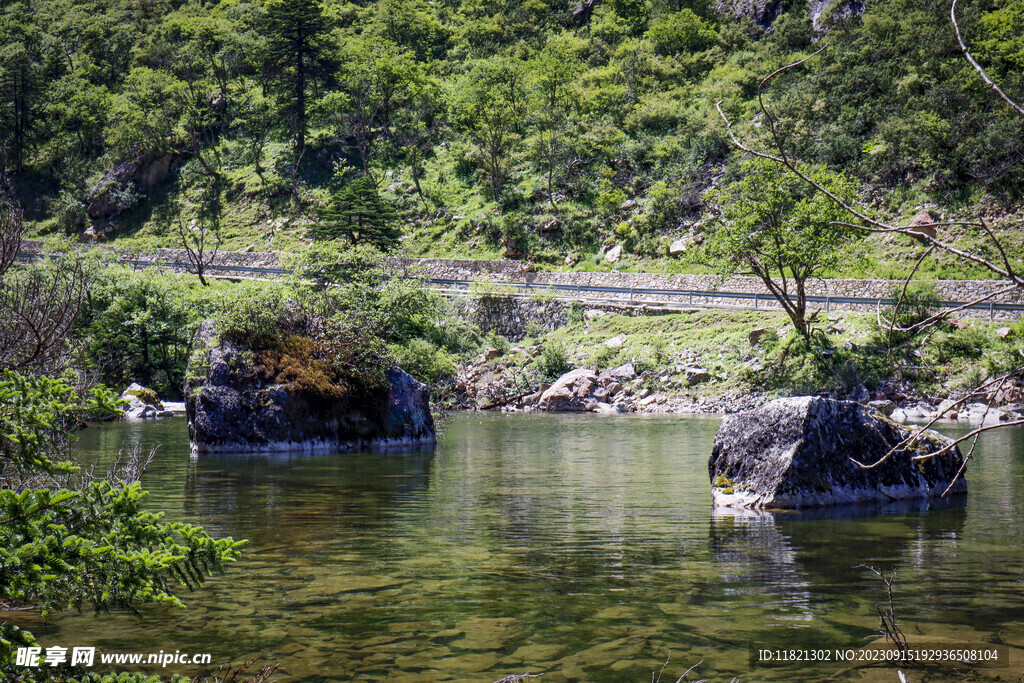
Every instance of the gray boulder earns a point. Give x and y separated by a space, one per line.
572 391
623 373
235 405
140 173
142 403
796 452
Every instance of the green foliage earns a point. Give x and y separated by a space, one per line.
916 305
776 227
139 326
98 548
297 56
37 416
553 361
81 545
480 123
358 213
680 32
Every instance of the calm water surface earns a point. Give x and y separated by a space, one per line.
578 546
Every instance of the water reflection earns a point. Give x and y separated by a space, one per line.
582 546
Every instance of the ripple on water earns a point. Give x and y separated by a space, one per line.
582 548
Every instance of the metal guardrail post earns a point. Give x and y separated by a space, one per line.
991 311
828 304
757 299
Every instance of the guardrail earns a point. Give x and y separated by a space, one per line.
674 298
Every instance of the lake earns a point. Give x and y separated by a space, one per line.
581 547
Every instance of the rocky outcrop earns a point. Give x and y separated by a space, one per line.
796 452
142 403
141 173
764 12
234 404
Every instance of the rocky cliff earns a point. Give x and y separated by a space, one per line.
238 399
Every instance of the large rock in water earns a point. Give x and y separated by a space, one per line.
235 405
795 452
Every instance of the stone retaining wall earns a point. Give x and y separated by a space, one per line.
515 271
511 271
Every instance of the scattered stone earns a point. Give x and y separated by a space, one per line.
623 373
859 394
678 247
627 205
921 224
755 335
795 452
616 342
754 365
491 353
1004 333
697 376
885 407
947 411
614 253
143 403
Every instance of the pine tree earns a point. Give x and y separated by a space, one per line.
357 212
297 56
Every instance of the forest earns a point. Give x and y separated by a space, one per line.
543 131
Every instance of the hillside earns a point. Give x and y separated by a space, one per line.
540 130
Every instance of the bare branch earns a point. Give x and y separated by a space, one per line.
977 67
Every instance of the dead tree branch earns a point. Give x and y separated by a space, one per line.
977 67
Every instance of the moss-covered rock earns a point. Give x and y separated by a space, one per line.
799 452
245 399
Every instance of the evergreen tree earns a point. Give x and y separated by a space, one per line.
297 56
357 212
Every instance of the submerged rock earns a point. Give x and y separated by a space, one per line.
796 452
235 404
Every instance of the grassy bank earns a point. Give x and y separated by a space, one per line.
747 352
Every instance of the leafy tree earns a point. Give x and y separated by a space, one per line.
379 79
138 327
357 212
776 227
553 71
297 56
490 105
681 32
411 24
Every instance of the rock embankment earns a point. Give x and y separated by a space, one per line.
235 404
799 452
495 381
